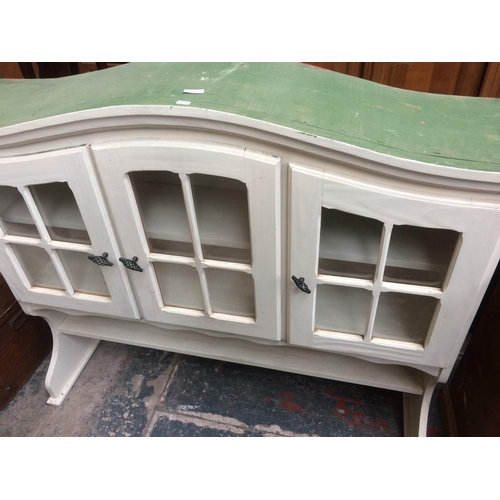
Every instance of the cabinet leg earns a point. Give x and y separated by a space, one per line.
69 357
416 411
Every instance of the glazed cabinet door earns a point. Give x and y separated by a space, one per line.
199 227
56 239
392 273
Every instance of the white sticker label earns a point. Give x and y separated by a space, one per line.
184 103
194 91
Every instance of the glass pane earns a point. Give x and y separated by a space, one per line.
404 317
420 255
342 309
38 266
222 214
163 212
179 285
231 292
349 244
85 276
60 213
15 218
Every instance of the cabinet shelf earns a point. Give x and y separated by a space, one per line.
274 356
415 255
60 211
221 219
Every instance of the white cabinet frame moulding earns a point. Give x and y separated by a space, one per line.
129 121
290 176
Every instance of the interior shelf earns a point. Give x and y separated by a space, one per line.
227 348
59 211
350 246
15 218
221 219
57 207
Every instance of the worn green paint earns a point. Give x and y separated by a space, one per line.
452 131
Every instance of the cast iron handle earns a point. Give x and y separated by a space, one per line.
100 260
301 284
130 264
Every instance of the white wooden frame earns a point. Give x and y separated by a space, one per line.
479 225
260 174
73 166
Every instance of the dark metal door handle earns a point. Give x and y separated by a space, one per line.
301 284
100 260
130 264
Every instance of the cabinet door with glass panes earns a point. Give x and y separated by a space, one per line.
199 227
383 272
56 239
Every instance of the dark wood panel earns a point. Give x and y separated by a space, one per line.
472 397
7 302
10 70
470 78
459 78
25 341
491 82
348 68
438 78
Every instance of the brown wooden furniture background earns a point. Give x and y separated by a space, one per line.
25 341
470 402
480 79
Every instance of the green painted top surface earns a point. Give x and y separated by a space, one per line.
445 130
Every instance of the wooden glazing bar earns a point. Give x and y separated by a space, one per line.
171 259
411 289
61 272
195 234
18 267
230 266
344 281
377 284
23 240
30 202
73 247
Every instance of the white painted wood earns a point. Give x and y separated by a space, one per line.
278 356
73 166
195 233
22 138
260 174
70 354
306 192
480 229
33 214
416 410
